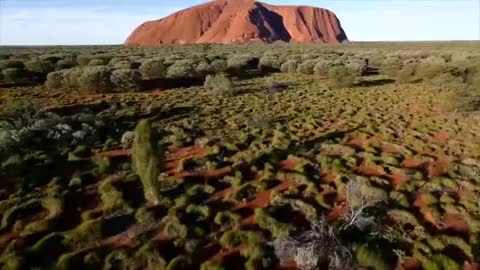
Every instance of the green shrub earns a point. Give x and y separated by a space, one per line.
146 159
10 63
234 238
126 79
342 76
52 58
203 69
238 63
13 74
219 84
96 78
84 60
71 77
322 68
407 73
154 68
96 62
182 69
391 67
125 64
219 65
55 79
269 63
290 66
39 66
307 67
65 64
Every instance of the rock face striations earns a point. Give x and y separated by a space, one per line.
240 21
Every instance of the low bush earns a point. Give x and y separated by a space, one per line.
219 65
10 63
290 66
65 64
55 79
239 63
407 73
84 60
342 76
307 67
126 79
182 69
154 68
96 78
322 67
71 77
96 62
38 66
13 75
203 69
219 84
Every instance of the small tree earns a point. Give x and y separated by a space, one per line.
146 159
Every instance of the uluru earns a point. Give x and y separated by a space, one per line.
240 21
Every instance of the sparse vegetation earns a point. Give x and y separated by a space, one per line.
253 169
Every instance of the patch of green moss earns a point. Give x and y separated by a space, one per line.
371 258
87 231
227 219
268 222
234 238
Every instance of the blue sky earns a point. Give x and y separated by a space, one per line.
70 22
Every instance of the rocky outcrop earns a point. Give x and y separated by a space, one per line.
240 21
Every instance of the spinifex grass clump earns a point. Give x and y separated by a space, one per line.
146 159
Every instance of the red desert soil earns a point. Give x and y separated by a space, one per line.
263 198
454 222
370 170
240 21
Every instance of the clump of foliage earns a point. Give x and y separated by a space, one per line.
312 247
126 79
219 85
96 78
146 159
307 67
290 66
13 75
55 79
154 68
38 66
269 63
322 68
342 76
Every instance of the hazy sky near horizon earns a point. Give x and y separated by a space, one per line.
83 22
